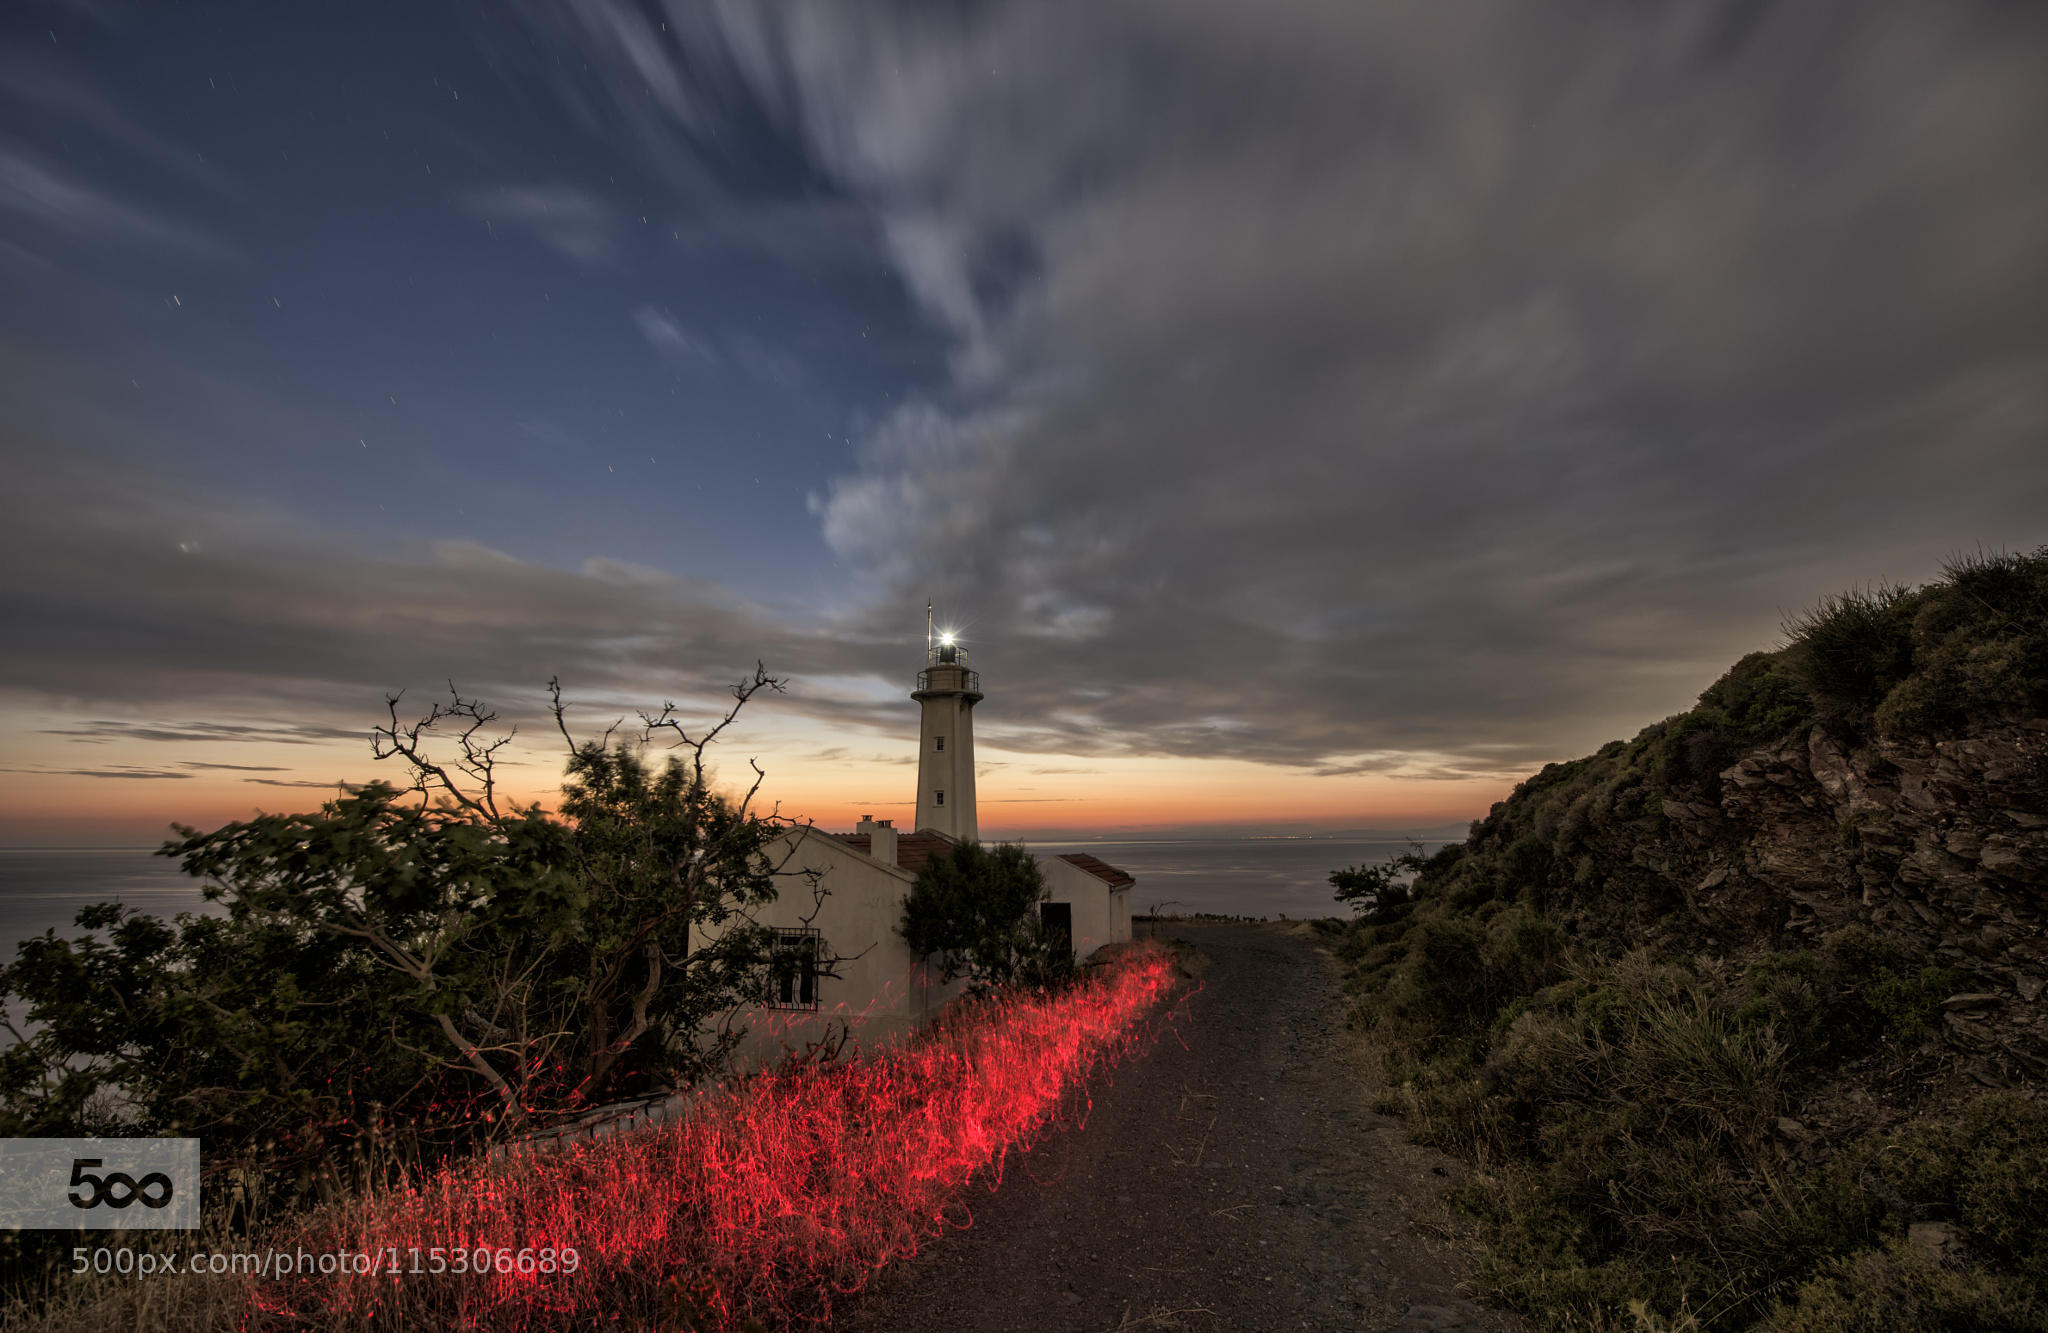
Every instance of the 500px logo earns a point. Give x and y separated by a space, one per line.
116 1189
97 1184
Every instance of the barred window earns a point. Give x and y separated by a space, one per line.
793 970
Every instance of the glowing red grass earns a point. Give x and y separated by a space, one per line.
775 1195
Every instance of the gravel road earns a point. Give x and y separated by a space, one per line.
1234 1178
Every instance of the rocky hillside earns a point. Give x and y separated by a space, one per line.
1743 1023
1887 770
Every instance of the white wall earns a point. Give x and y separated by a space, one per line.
946 710
882 992
1101 915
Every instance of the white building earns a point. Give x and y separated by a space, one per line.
840 895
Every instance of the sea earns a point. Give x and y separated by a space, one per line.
43 889
1267 878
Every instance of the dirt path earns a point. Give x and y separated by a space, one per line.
1237 1182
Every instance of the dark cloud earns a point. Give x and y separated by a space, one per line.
1405 388
105 732
294 632
119 771
1343 384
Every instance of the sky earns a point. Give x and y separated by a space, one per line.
1310 415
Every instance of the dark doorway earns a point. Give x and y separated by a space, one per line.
1057 920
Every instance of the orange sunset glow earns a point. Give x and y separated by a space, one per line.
832 785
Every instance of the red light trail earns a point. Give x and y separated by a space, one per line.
776 1195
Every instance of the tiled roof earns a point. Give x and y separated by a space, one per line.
912 849
1102 870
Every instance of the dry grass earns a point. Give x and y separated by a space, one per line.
1161 1317
174 1303
777 1196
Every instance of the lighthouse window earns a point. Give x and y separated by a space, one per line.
939 798
938 742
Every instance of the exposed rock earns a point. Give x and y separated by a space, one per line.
1937 1240
1940 846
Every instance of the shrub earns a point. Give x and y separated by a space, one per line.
1851 648
1447 976
1980 646
1792 992
1986 1172
1887 992
1759 697
1897 1289
1376 892
975 908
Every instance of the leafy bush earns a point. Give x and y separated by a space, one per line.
1986 1172
1975 643
1897 1289
1850 649
1449 976
976 910
1376 892
1625 1118
403 974
1980 646
1757 702
1889 993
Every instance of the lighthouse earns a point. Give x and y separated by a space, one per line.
947 692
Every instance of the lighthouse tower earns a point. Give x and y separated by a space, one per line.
948 692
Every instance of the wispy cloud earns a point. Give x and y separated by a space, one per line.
63 205
840 754
573 221
681 345
88 105
767 364
667 336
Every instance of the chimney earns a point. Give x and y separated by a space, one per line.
883 848
866 827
